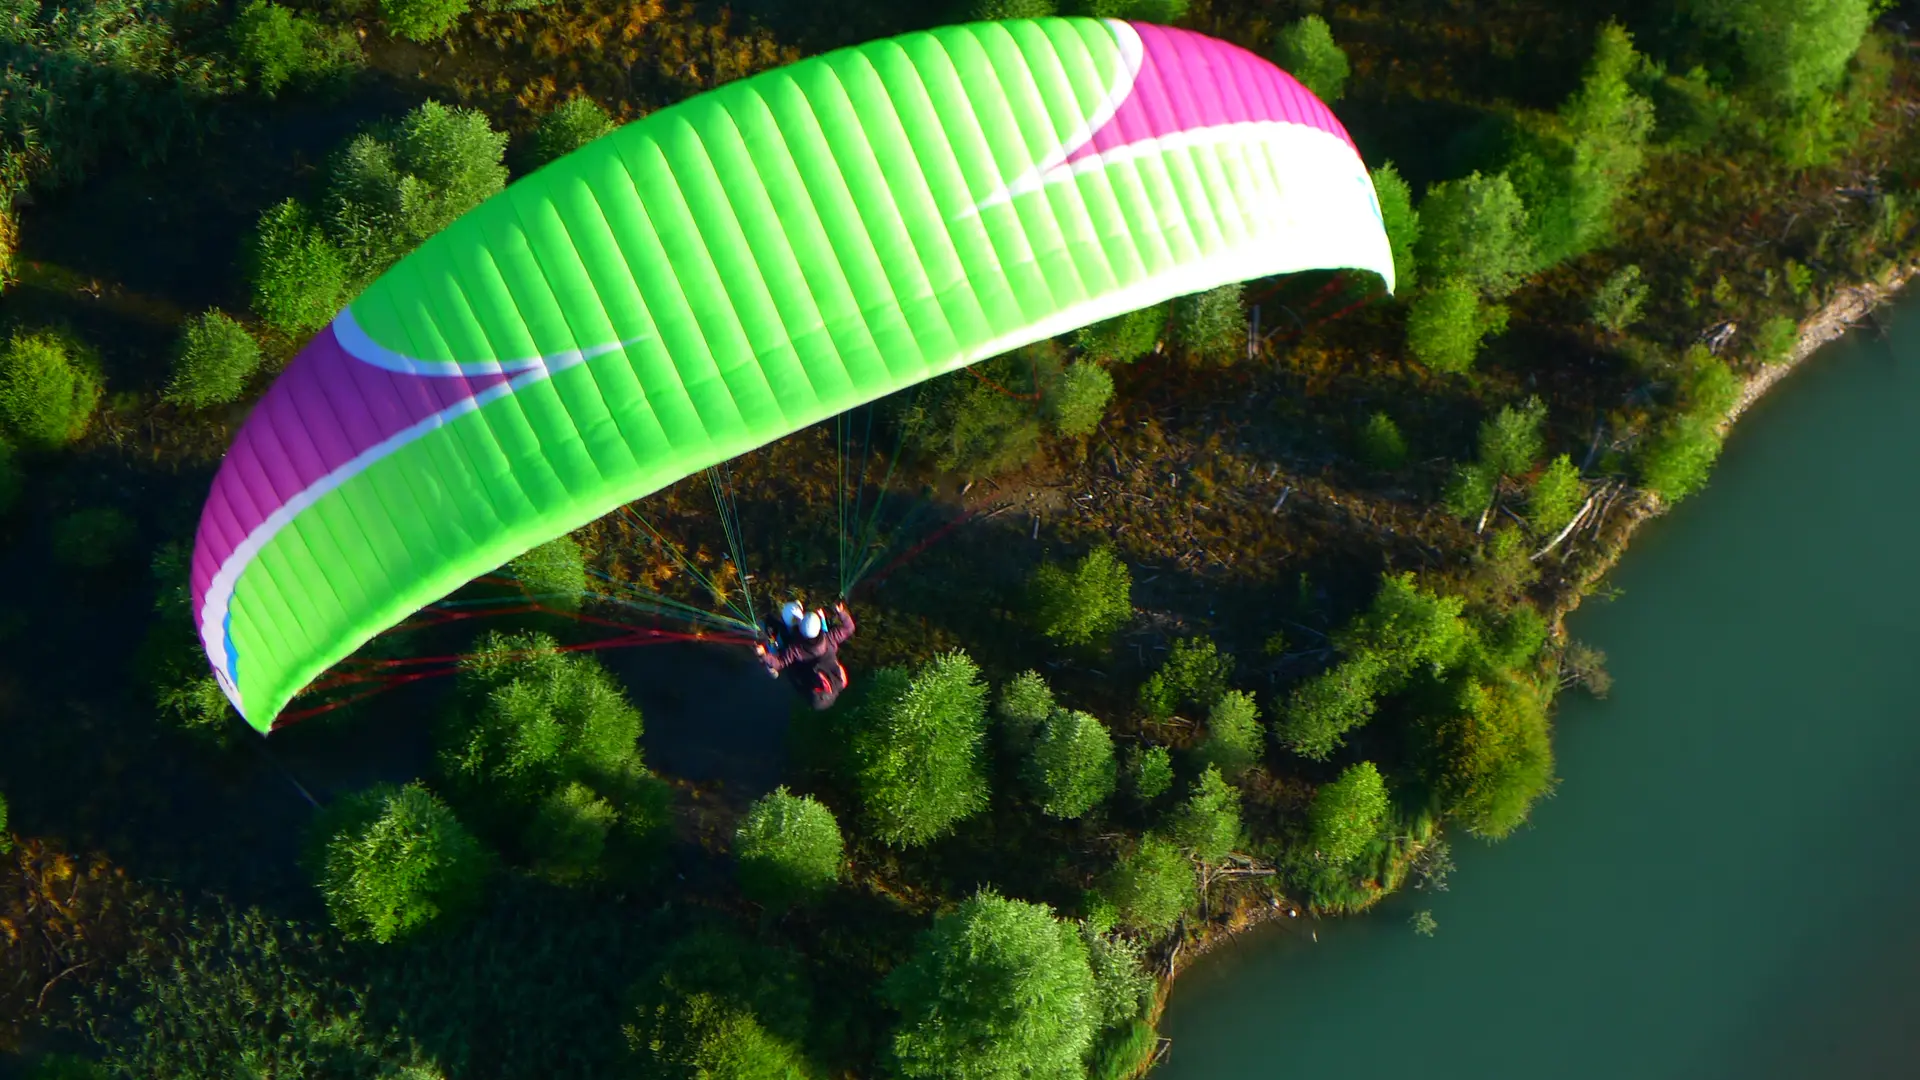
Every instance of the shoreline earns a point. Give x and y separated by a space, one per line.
1840 314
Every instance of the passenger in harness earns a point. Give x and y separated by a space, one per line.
808 653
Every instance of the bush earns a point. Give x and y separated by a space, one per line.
1123 338
1152 886
93 538
299 277
1305 49
47 392
789 849
1476 230
1382 447
277 46
567 834
197 706
576 122
1086 604
1676 462
1208 824
1075 404
1469 490
1159 12
995 10
215 359
1320 711
1402 223
1125 1052
422 20
1555 496
1211 326
1510 442
998 988
717 1007
1347 814
1776 340
385 198
1793 50
1072 768
1617 305
1234 737
1150 772
6 837
396 861
1122 988
1446 324
1491 757
1194 674
555 573
708 1038
1708 387
917 749
1025 703
983 421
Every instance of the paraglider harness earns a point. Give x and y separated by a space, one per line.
811 665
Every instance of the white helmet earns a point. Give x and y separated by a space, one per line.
810 626
791 614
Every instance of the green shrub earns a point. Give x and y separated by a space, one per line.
1234 737
1799 280
1491 757
1510 442
1708 387
995 10
386 197
1677 461
6 838
1617 305
48 389
1515 637
1072 766
1123 990
576 122
1193 675
916 749
1123 338
983 421
568 832
1086 604
422 20
555 573
216 357
1207 825
1382 447
1320 711
1152 886
1150 773
277 46
1125 1052
299 276
197 706
396 861
998 988
1402 223
1793 50
1211 326
1305 49
717 1007
1159 12
1075 404
1476 230
1025 703
1446 323
1555 496
789 850
1469 490
705 1037
1776 339
1346 815
93 538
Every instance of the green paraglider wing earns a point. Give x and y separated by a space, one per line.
734 268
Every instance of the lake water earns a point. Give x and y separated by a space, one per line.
1725 883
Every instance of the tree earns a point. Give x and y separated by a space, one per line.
1150 772
1475 229
1774 342
1402 223
1025 703
422 20
1382 447
705 1037
576 122
1555 495
278 46
215 359
1406 627
1676 462
718 1007
197 706
1510 442
1162 12
1447 321
1152 886
1490 757
1194 674
396 860
1794 49
917 749
1083 605
789 849
982 421
1208 823
48 389
1346 815
1122 987
998 990
299 276
1305 49
1470 489
1072 766
1075 404
386 196
555 573
1123 338
1211 326
1234 737
1617 305
1320 711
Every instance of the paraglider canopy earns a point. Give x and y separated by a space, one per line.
728 270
